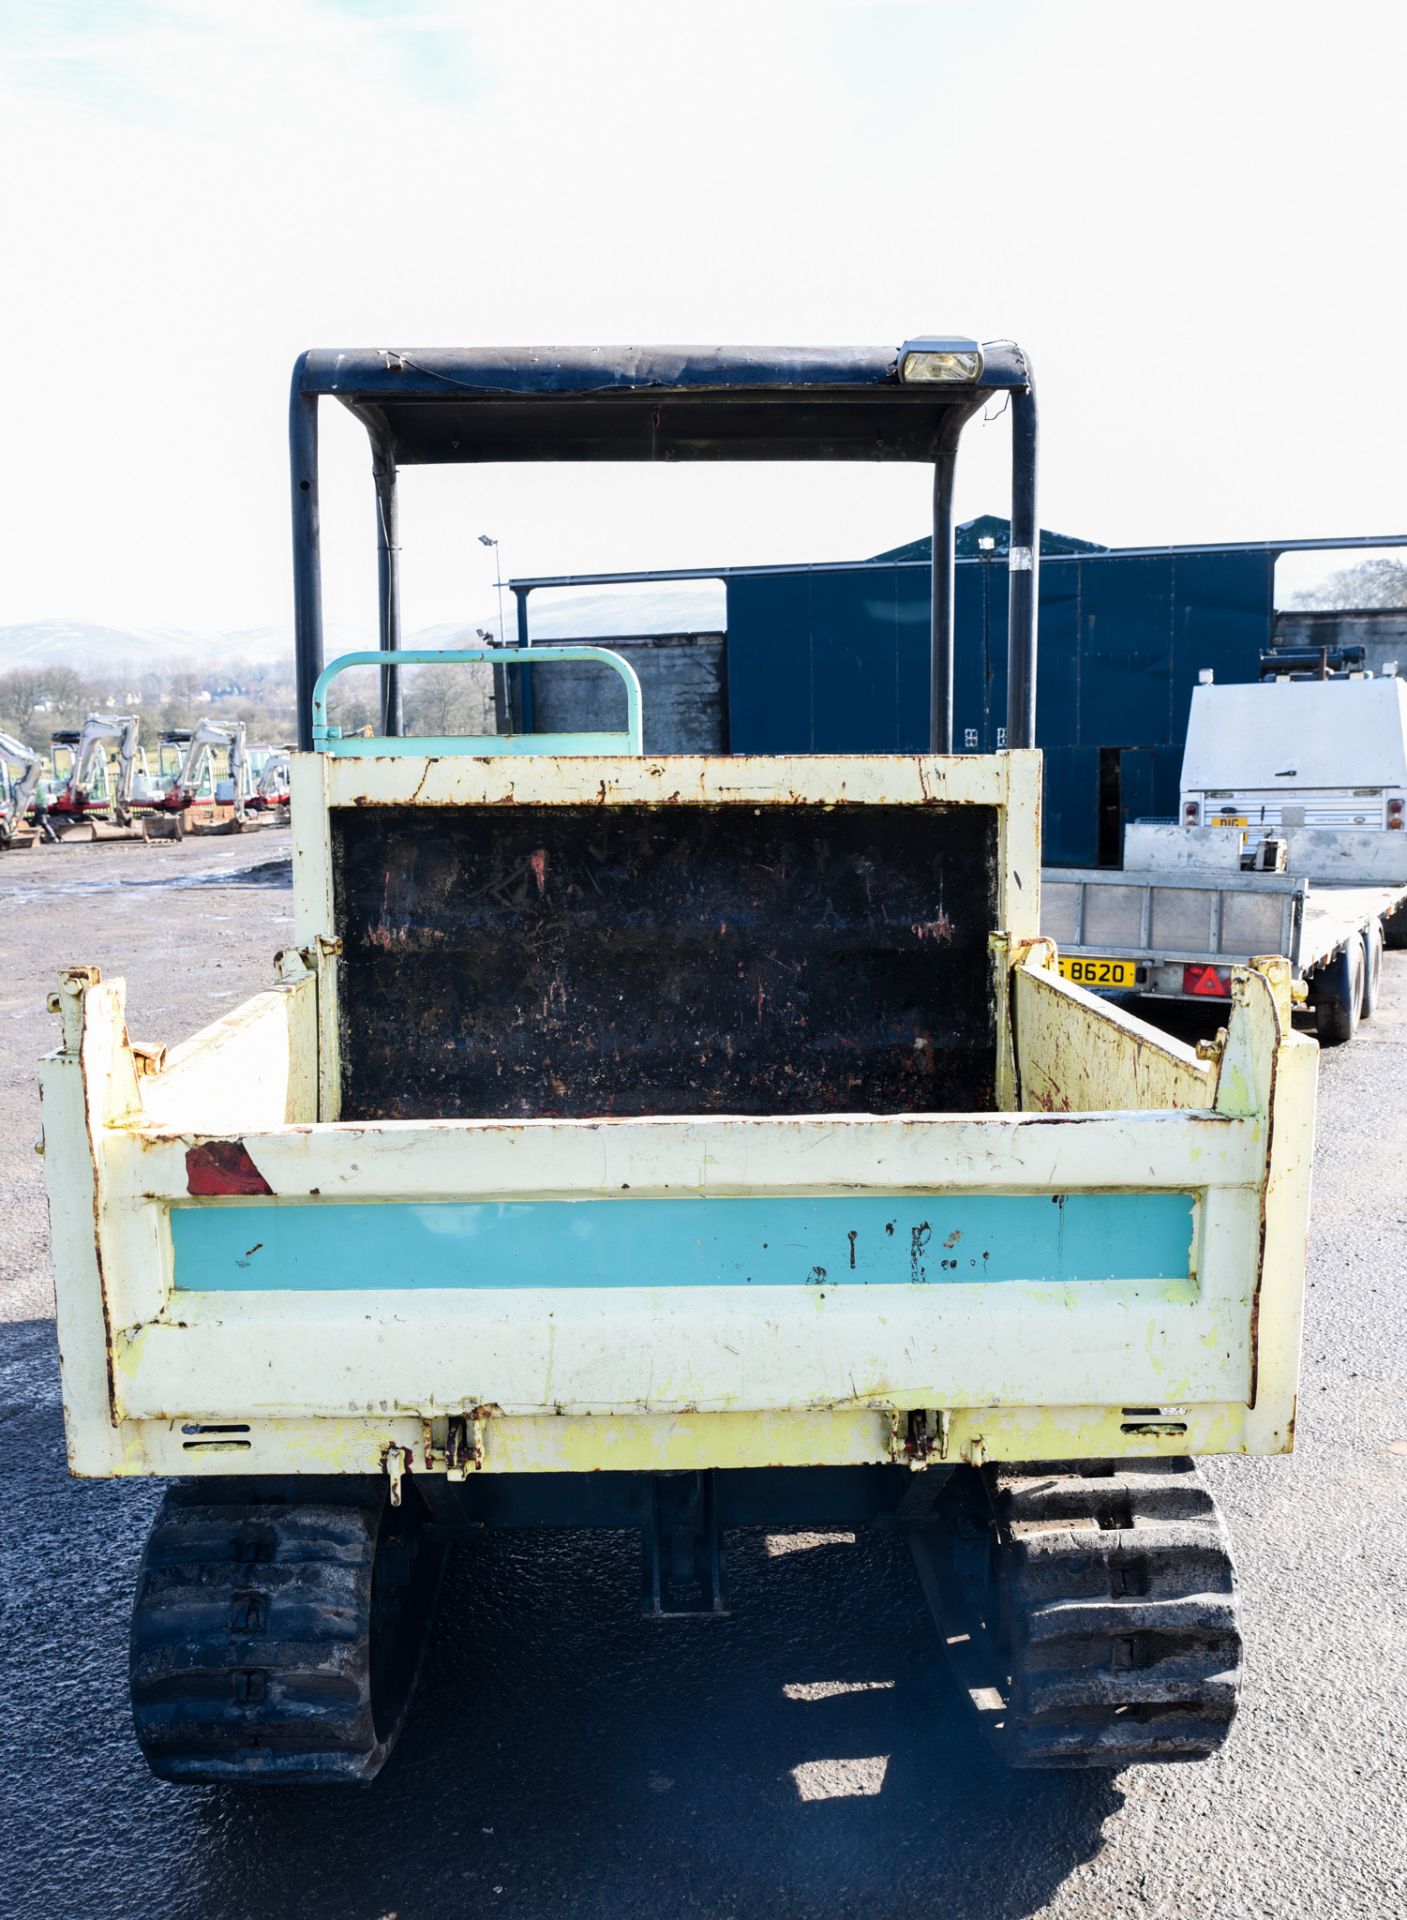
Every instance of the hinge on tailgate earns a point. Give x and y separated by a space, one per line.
395 1461
464 1447
917 1437
68 1002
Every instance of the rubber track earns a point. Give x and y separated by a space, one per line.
250 1652
1124 1641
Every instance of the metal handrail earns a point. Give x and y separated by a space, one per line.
331 739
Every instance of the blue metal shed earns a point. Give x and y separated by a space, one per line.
834 658
839 662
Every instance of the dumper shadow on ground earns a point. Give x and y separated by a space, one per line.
806 1756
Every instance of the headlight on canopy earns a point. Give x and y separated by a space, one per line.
935 362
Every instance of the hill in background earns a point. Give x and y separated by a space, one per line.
94 650
55 672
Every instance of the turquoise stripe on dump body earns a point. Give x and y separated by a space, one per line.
759 1241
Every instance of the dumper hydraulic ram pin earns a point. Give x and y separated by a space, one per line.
675 1143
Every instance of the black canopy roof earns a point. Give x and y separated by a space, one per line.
650 403
434 406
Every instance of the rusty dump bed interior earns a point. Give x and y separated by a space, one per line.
524 961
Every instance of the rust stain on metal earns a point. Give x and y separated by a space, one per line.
940 929
223 1167
918 1241
1261 1219
91 1124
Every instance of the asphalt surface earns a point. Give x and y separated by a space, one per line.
806 1757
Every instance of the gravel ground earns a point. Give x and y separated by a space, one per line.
804 1758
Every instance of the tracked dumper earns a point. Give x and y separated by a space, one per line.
677 1144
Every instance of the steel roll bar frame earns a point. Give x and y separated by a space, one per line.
330 739
360 380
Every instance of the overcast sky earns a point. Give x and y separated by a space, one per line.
1191 215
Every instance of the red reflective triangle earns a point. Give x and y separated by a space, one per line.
1203 980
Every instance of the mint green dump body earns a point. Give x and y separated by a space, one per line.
401 1196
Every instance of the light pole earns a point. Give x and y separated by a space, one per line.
487 540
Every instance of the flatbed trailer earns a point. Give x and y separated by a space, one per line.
679 1144
1181 914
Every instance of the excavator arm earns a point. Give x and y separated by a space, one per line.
16 795
98 729
198 748
126 766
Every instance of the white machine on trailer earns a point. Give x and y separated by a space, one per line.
1297 755
1291 842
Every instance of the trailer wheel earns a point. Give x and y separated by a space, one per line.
1394 927
1372 967
1338 994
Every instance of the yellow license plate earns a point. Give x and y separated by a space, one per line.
1229 820
1090 972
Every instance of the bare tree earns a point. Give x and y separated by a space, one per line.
449 700
1380 582
21 692
35 700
